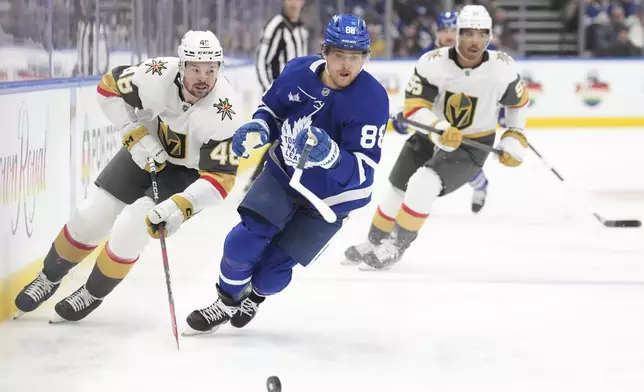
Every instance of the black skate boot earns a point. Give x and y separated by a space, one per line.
478 200
76 306
390 250
383 256
355 253
247 310
208 320
35 294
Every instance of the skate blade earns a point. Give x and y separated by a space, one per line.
350 262
368 268
193 332
56 319
18 314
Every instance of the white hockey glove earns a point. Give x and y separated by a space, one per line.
514 145
449 140
141 145
171 213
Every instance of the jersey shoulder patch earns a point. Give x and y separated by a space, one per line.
504 65
155 78
431 66
219 116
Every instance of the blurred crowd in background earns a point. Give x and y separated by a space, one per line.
413 24
612 28
68 34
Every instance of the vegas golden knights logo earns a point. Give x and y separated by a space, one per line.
175 144
460 109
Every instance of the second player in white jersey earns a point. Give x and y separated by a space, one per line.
179 112
459 91
467 98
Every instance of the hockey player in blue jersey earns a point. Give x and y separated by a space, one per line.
345 110
446 26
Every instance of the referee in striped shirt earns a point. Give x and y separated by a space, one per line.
283 39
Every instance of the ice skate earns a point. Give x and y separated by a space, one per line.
209 319
478 200
355 253
383 256
247 311
35 294
76 306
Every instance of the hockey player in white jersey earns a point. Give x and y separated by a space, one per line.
458 90
178 111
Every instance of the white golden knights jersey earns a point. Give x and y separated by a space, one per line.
469 98
195 136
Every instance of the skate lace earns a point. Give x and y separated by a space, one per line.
387 250
248 307
40 287
217 311
80 299
364 247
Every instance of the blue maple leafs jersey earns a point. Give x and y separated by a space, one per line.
354 117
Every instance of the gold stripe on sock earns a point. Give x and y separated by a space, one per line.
383 222
70 249
113 266
409 219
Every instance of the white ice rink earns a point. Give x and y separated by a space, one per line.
531 295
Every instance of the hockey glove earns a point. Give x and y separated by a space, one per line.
170 214
399 127
514 144
141 145
449 140
325 153
250 131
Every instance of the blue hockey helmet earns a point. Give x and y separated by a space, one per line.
346 31
446 20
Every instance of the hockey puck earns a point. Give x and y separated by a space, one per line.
273 384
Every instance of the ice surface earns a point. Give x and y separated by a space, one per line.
530 295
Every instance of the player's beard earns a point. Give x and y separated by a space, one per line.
471 52
199 90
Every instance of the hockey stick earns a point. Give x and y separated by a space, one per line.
324 210
164 251
427 129
605 222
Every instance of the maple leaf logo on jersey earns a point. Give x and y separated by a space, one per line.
156 67
287 142
225 108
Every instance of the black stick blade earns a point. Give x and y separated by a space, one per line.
623 223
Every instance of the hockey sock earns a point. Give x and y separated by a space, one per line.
381 227
479 181
384 218
408 223
108 272
65 253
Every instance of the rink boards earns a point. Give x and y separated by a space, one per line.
57 140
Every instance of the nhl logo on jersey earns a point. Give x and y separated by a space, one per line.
156 67
460 109
225 108
325 91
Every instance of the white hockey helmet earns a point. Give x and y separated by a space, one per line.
474 17
199 46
